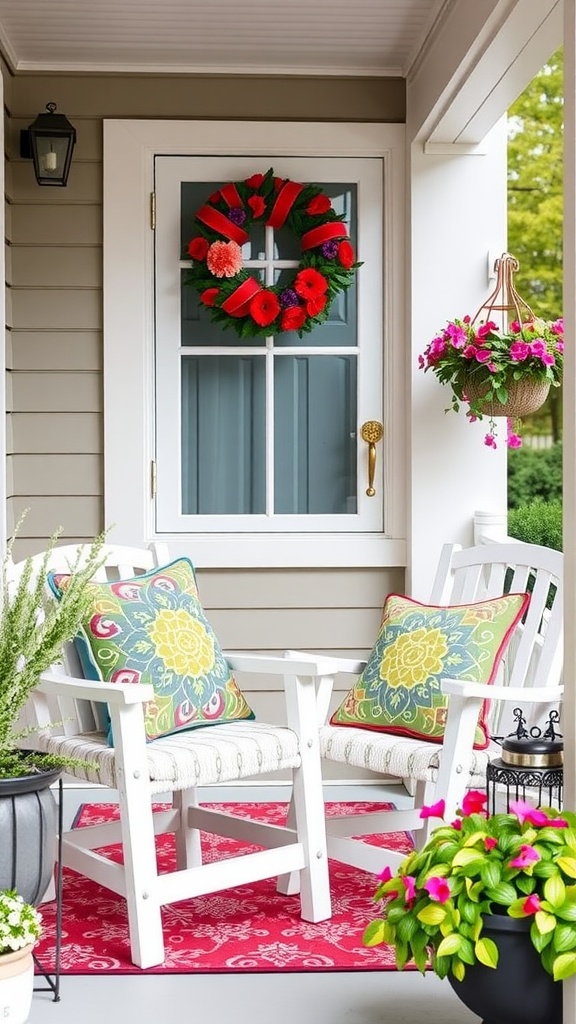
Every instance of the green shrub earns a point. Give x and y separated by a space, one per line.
534 473
539 522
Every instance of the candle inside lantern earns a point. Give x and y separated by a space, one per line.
50 161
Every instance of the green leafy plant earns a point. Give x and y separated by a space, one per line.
480 355
540 522
521 863
33 630
534 473
20 922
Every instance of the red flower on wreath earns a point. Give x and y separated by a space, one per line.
310 283
258 206
319 204
255 180
264 308
293 318
209 296
345 254
316 304
198 248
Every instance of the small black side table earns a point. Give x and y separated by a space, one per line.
517 780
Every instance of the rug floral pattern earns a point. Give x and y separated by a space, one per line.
250 928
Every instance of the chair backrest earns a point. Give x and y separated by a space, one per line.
534 656
119 562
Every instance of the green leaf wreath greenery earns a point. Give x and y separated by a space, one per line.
237 296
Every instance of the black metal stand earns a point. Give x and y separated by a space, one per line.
547 782
52 977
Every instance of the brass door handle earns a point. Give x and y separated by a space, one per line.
372 432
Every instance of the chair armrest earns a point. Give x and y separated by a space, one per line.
304 665
61 685
536 694
352 665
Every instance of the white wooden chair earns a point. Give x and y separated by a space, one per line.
178 764
529 676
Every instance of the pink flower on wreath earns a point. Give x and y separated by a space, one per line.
224 259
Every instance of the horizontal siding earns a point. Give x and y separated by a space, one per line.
288 588
56 474
54 350
49 309
41 224
42 392
79 516
53 266
55 432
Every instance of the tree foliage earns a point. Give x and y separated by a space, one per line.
535 199
535 189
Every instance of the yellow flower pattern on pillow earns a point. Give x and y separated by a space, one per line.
418 645
152 629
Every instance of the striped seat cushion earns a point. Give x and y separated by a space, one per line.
221 753
387 754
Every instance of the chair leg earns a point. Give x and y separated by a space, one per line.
140 867
188 846
289 884
315 903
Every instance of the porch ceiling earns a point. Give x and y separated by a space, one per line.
355 37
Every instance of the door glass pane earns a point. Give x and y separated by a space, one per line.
223 435
314 437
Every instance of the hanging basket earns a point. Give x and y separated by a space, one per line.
524 397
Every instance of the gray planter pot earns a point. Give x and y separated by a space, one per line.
28 834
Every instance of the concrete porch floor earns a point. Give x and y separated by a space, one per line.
325 998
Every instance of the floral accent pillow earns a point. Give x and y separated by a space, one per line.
419 645
152 629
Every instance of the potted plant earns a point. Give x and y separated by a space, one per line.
33 631
497 373
477 881
20 927
503 369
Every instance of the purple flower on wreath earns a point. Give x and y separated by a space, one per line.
237 215
289 298
330 250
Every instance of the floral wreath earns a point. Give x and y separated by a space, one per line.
235 296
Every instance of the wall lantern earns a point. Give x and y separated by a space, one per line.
49 142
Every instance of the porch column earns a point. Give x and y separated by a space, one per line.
458 218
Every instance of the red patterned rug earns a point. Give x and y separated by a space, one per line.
249 929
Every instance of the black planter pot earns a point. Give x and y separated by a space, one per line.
28 834
519 990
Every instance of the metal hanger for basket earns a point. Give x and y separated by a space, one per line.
505 299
